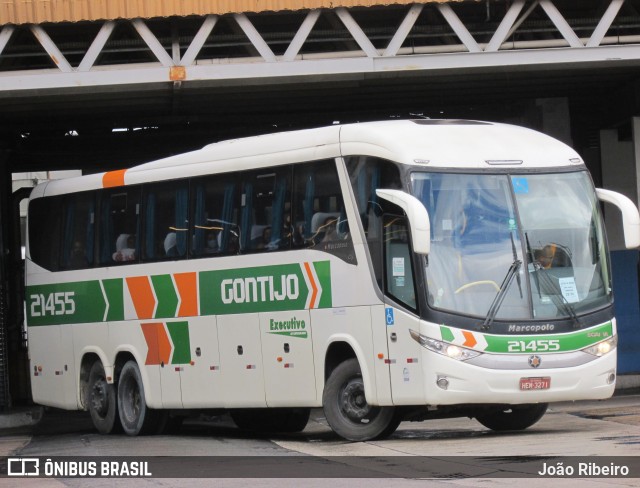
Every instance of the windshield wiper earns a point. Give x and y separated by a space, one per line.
556 295
502 293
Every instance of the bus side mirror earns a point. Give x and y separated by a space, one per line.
630 216
417 215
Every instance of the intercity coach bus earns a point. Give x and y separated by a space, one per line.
384 271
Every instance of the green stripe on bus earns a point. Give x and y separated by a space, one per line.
113 288
166 296
179 332
446 334
323 270
65 303
550 342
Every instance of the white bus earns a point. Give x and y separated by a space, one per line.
384 271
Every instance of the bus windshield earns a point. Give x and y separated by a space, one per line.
514 246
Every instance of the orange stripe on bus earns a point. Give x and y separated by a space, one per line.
113 178
142 296
188 290
159 346
470 339
314 287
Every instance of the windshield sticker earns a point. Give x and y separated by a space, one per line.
512 224
569 289
398 266
520 185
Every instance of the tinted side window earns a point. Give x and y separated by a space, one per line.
319 217
215 215
44 231
266 210
119 224
166 224
399 282
78 215
367 174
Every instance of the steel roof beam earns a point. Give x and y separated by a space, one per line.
198 41
561 24
356 32
505 26
458 27
312 68
96 46
152 41
403 31
5 35
255 38
301 35
54 53
605 23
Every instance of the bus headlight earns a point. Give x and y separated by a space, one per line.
450 350
602 347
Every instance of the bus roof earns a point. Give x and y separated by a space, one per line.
456 144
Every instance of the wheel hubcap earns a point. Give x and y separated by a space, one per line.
99 397
353 402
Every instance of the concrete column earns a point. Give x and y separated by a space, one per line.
555 118
619 173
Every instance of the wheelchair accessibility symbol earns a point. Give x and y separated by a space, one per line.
389 316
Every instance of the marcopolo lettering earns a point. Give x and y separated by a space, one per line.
532 328
260 289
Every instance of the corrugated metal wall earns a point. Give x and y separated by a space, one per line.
39 11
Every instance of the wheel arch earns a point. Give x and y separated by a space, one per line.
88 357
342 347
150 379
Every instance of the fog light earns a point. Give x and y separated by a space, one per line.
442 382
611 379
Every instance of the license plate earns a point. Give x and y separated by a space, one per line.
542 383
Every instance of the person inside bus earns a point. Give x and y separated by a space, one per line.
212 245
125 248
170 245
266 238
78 257
552 256
330 229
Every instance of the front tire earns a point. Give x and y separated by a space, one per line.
347 411
135 416
515 417
101 401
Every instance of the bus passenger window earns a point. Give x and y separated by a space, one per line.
319 217
119 226
77 231
45 232
266 210
214 216
166 224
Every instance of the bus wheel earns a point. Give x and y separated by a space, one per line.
347 411
515 417
135 416
100 399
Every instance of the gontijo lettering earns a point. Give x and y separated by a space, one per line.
260 289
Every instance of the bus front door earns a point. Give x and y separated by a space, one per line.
407 379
